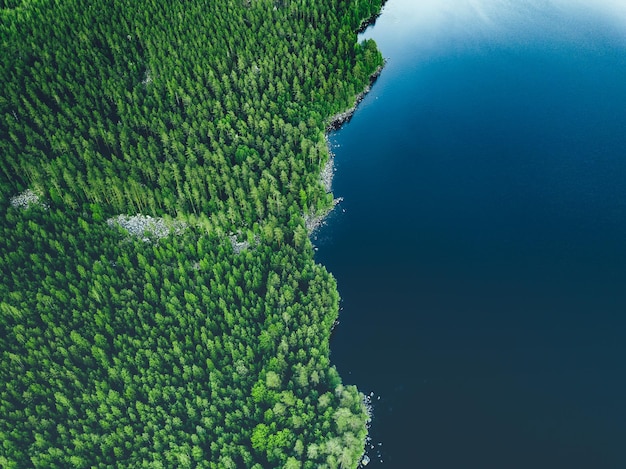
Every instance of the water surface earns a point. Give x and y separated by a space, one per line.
481 248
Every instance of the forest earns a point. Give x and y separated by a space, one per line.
199 338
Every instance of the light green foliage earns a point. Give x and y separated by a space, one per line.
273 380
178 352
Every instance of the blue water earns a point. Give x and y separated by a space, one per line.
480 251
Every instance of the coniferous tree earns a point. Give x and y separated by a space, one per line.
190 349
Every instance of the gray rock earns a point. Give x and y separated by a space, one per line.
26 199
143 225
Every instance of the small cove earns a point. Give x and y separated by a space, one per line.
480 250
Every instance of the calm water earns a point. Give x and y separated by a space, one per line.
481 248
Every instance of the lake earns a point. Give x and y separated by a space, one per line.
480 251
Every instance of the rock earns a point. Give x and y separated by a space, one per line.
240 246
341 118
142 225
327 173
26 199
313 222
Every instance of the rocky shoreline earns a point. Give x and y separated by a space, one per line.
371 450
313 222
371 20
341 118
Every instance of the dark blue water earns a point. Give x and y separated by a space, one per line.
481 256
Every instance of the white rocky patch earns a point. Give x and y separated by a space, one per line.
142 226
26 199
313 222
147 78
239 246
327 173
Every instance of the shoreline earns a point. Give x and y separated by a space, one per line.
314 222
344 117
371 21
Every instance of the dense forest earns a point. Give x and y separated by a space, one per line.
201 337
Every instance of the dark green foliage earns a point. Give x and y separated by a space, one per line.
178 352
170 107
127 353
